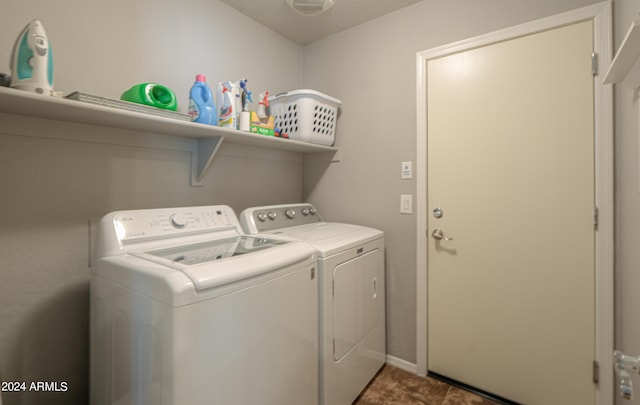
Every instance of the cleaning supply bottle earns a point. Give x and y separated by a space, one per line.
227 116
151 94
201 106
244 118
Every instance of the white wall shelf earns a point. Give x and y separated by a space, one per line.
625 67
207 138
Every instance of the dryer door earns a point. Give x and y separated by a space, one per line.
356 300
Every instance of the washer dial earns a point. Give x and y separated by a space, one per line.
178 221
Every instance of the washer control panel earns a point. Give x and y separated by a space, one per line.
267 218
142 224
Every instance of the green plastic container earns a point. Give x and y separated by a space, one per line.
152 94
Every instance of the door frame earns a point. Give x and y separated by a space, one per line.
601 15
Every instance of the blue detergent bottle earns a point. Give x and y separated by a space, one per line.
201 106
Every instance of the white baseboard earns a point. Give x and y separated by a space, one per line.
402 364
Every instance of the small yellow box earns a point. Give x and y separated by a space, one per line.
261 126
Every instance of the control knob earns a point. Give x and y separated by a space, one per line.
290 213
178 221
262 217
312 211
272 215
305 211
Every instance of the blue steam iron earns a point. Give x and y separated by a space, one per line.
31 60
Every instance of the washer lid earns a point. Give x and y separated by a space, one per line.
215 262
211 250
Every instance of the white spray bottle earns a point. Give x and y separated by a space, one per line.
227 113
244 116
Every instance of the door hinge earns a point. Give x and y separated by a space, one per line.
596 372
594 64
595 218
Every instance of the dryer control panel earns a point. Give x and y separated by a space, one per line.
267 218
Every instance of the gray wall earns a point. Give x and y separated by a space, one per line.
52 189
372 69
627 196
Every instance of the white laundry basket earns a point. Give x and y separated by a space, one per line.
306 115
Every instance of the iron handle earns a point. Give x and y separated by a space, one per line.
439 235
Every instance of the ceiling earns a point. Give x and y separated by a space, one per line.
303 30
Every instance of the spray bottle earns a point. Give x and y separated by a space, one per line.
267 109
244 122
227 116
263 107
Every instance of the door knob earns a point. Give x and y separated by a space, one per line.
439 235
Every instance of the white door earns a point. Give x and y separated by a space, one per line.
511 168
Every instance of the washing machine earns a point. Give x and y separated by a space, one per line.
186 309
352 293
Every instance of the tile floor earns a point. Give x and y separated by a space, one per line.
394 386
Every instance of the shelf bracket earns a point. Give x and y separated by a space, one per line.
625 67
202 154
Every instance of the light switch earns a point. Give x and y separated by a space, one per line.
406 204
407 172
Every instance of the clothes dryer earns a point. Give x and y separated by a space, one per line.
352 293
186 309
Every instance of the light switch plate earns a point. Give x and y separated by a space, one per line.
406 204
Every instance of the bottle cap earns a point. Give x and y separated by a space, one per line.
201 78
